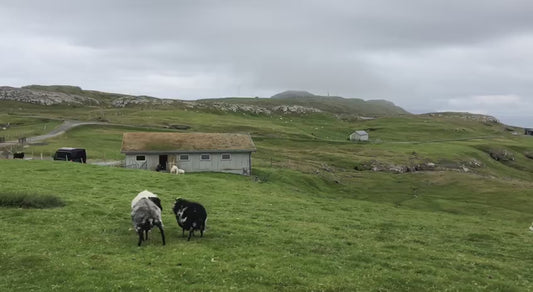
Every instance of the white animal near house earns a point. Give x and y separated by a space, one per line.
176 170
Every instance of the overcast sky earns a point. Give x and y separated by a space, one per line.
425 56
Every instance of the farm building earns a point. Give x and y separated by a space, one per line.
192 152
359 136
528 131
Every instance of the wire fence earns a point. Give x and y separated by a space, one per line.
18 153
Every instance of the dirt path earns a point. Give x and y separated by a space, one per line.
67 125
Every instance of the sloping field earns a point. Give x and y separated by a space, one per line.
422 207
290 232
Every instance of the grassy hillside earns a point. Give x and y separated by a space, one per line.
331 104
292 232
314 215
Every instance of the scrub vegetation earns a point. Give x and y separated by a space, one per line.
26 200
422 206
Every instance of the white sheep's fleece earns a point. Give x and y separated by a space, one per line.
174 169
143 194
531 227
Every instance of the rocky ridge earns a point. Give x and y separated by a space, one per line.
252 109
289 102
50 97
486 119
128 100
44 97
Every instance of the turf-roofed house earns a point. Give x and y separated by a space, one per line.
192 152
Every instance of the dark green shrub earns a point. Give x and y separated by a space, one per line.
23 200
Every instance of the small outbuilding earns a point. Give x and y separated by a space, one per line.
528 131
192 152
359 136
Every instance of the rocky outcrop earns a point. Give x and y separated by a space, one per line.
295 109
501 155
44 97
379 166
467 116
252 109
129 100
33 94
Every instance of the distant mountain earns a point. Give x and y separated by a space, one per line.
339 104
296 102
292 94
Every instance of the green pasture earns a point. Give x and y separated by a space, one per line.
25 126
306 219
291 231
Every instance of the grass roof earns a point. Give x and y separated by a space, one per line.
185 142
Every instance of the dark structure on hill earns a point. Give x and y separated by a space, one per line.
528 131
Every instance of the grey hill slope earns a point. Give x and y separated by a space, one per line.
288 102
44 97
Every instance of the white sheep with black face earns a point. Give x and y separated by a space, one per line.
145 214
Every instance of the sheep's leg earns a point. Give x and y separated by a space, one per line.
140 232
183 232
190 233
202 228
146 234
160 226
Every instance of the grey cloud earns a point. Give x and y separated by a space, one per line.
418 54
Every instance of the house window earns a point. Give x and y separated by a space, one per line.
184 157
205 157
140 158
226 156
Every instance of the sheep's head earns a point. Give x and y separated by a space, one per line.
156 201
179 204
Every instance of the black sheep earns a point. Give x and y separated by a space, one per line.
190 216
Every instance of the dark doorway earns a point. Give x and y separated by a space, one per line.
163 161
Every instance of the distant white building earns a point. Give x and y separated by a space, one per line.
359 136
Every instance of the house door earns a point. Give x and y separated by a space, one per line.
163 161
